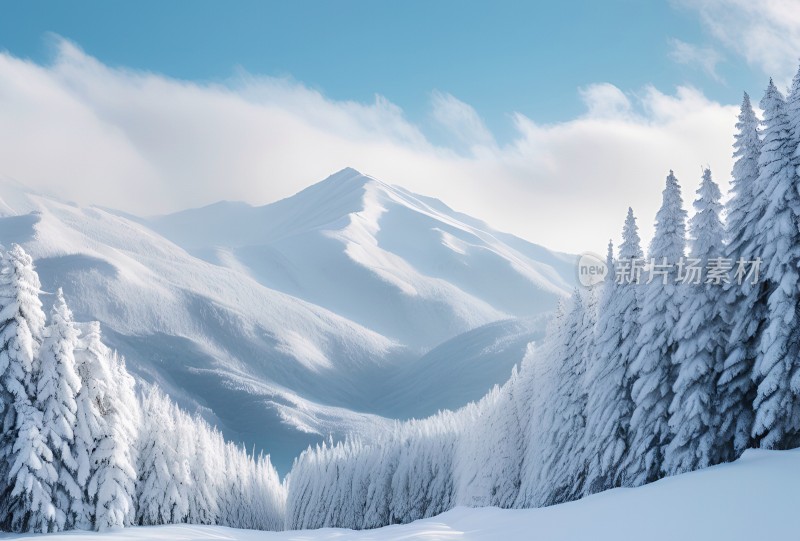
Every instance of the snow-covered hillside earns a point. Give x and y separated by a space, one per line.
403 265
289 322
751 498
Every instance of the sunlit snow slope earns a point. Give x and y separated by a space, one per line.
403 265
752 498
286 323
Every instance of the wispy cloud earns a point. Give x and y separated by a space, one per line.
766 33
460 121
705 58
148 144
604 100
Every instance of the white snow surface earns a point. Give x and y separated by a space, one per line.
752 498
291 322
357 246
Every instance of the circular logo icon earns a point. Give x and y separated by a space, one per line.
592 269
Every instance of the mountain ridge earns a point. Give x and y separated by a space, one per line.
305 322
405 249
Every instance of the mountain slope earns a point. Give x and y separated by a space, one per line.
358 246
462 368
214 338
306 318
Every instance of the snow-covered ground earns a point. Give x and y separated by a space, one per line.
753 498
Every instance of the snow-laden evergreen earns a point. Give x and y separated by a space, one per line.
160 491
610 404
90 427
744 304
793 112
534 487
56 393
652 371
777 412
27 462
112 461
488 469
563 468
700 346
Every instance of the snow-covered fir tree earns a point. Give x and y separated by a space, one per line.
699 335
564 468
26 465
744 302
160 495
777 416
57 389
488 463
609 402
793 112
111 485
652 371
206 461
535 489
94 374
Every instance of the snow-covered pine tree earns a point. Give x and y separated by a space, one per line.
777 412
793 112
111 486
206 465
422 484
57 388
793 107
489 461
651 370
95 376
693 416
563 469
540 365
385 459
159 496
610 404
269 495
743 304
26 462
184 449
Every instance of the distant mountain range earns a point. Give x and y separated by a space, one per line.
340 308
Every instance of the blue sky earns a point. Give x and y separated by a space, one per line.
499 57
544 119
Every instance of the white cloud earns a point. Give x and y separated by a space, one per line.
604 100
706 58
148 144
766 33
461 121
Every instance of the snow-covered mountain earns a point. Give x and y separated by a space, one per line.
400 264
319 314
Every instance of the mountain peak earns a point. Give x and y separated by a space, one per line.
347 171
347 176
